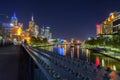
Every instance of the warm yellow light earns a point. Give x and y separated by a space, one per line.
112 16
19 31
109 19
28 39
105 22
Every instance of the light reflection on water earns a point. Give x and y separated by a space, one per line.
99 59
72 52
85 54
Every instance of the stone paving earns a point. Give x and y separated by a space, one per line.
12 61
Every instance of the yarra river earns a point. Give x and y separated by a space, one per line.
86 55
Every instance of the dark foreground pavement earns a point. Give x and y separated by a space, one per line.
13 63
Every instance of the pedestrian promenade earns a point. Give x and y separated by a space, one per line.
12 63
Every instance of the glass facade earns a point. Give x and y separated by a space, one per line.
116 22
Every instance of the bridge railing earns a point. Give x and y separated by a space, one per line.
37 71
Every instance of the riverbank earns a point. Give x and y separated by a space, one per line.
107 51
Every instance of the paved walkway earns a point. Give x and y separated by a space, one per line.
12 63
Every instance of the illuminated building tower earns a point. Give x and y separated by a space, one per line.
107 25
16 29
50 36
42 31
116 24
13 26
45 32
36 30
99 29
33 28
27 34
20 29
14 20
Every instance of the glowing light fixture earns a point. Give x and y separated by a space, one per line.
112 16
105 22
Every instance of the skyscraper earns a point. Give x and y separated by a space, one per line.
116 24
16 28
45 32
14 25
107 25
99 29
14 20
33 28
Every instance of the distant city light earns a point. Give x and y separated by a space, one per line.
99 29
97 25
11 24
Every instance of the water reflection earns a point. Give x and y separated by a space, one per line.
78 51
97 62
87 55
102 60
65 49
103 63
114 67
72 52
50 48
58 49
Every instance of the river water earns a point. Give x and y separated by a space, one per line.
86 55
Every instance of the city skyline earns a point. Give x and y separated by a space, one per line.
67 19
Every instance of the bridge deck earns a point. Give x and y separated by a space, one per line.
12 63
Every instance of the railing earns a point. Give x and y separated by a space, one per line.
37 68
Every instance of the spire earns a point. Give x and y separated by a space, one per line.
32 18
14 15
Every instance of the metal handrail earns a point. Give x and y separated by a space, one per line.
35 59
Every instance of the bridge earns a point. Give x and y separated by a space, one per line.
23 62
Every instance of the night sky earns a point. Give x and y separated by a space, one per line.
67 18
